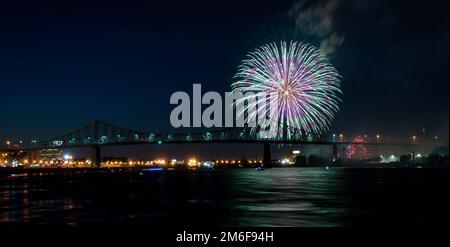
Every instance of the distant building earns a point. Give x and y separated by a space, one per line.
53 154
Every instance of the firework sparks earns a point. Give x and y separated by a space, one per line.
357 150
301 89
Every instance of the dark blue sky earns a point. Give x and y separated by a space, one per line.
64 63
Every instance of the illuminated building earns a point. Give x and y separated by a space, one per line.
53 153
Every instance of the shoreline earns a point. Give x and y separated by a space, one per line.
4 170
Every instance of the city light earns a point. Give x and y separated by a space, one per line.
208 164
393 158
68 157
286 161
193 162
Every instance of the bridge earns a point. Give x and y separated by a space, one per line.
98 134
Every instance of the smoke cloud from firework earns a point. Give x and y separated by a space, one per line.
318 19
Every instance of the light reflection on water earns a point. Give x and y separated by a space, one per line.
241 197
288 197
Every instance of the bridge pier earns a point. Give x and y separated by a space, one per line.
335 152
97 156
267 160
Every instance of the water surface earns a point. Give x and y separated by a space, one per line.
233 197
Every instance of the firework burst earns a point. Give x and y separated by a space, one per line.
301 89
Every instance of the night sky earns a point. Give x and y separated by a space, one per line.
65 63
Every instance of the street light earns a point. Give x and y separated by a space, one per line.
8 143
378 137
414 139
341 137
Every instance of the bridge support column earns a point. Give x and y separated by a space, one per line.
267 161
97 156
335 152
